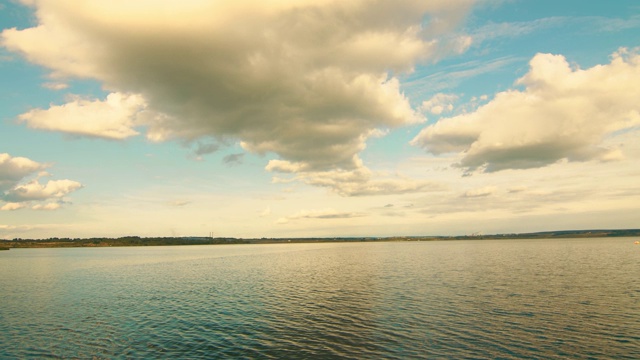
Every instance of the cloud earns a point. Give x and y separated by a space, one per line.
319 214
480 192
206 148
516 189
12 231
266 212
11 206
439 103
233 159
113 118
55 85
34 190
602 23
16 194
307 80
451 76
562 113
48 206
357 182
4 227
492 31
498 31
179 203
13 169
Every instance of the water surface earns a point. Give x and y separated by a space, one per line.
575 298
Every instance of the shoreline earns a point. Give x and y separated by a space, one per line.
177 241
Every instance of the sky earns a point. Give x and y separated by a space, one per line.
282 118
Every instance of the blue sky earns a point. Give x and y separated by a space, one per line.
317 118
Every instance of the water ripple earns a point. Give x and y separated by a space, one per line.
500 299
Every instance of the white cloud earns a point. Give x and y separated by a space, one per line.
266 212
4 227
492 31
43 230
603 23
499 31
13 169
439 103
563 113
34 190
16 194
451 76
11 206
284 166
539 196
360 181
308 80
48 206
55 85
113 118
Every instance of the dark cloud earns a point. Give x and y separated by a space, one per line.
205 148
233 159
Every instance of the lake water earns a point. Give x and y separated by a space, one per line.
575 298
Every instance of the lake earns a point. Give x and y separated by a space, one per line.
573 298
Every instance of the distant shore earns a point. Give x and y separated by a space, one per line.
194 240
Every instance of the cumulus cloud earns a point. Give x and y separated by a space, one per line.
113 118
15 193
308 80
563 112
320 214
13 169
34 190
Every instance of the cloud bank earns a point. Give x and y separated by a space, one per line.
563 112
310 81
